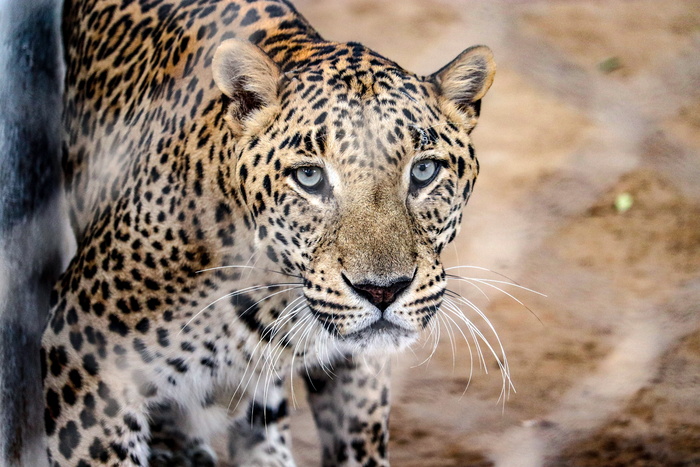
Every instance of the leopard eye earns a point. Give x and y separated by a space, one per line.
310 178
423 172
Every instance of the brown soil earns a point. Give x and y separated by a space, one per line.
593 101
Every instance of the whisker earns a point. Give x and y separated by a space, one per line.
290 334
252 406
303 325
240 382
267 297
258 345
233 294
471 327
304 337
431 331
505 371
466 266
278 350
495 281
502 362
323 361
471 305
254 259
253 372
434 331
327 339
448 328
469 347
468 281
320 344
245 372
272 330
285 316
488 284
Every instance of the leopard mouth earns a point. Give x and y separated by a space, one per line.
379 330
381 324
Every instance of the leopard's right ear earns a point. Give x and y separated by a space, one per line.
249 78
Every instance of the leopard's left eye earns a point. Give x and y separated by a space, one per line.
423 172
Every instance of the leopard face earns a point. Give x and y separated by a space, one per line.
354 175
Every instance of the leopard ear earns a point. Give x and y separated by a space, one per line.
248 77
465 80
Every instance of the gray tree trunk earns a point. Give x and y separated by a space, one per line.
33 234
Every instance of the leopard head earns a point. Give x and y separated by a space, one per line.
354 173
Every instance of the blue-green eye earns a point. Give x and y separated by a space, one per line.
309 177
423 172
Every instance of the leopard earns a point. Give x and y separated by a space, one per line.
251 202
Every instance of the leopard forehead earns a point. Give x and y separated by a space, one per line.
361 113
357 109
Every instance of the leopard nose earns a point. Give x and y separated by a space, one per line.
383 295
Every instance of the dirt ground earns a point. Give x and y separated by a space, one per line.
596 104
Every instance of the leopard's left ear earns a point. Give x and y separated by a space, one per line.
465 80
248 77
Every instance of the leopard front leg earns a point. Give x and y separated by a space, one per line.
180 437
91 422
260 437
99 411
350 403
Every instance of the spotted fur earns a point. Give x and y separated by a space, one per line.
207 269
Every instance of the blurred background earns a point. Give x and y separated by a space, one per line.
589 193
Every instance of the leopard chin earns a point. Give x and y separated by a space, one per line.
381 335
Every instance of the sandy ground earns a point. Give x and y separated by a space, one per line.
594 101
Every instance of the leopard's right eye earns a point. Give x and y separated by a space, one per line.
311 178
